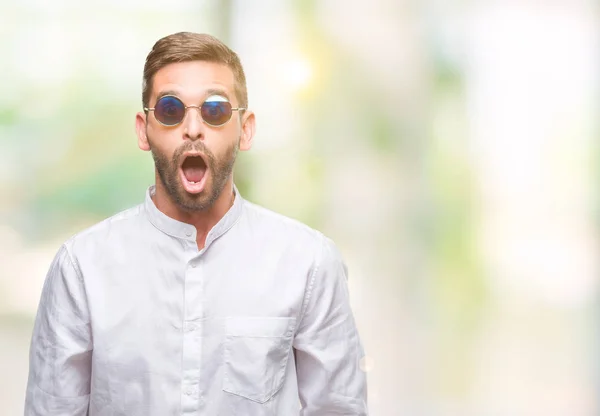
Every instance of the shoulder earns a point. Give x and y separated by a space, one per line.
286 232
279 226
117 226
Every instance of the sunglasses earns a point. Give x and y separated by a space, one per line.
170 111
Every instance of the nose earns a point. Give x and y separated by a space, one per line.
193 126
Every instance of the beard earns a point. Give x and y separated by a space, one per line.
220 170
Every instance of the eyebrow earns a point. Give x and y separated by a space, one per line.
207 93
167 92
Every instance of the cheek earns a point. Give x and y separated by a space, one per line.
161 141
222 152
165 156
219 143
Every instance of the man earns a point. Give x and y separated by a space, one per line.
195 302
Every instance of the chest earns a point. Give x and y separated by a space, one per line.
147 294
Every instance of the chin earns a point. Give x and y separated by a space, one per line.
196 202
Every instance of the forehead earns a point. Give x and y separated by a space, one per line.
192 80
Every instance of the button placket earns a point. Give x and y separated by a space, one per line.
192 336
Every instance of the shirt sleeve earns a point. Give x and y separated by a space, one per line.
328 349
61 345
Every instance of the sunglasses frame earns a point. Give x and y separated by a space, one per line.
186 107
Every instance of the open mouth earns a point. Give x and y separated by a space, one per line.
193 173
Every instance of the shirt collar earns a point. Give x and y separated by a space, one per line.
187 231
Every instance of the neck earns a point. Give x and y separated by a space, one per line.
205 220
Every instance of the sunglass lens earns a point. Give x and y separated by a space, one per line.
216 113
169 111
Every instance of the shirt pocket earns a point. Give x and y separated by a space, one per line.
256 352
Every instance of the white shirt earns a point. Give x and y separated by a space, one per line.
134 320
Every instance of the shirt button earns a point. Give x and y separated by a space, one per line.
188 233
194 265
189 392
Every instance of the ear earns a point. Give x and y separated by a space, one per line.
140 128
248 128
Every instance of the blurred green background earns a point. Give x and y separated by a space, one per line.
448 147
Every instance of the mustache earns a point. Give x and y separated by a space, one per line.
196 146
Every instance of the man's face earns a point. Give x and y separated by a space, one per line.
194 160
